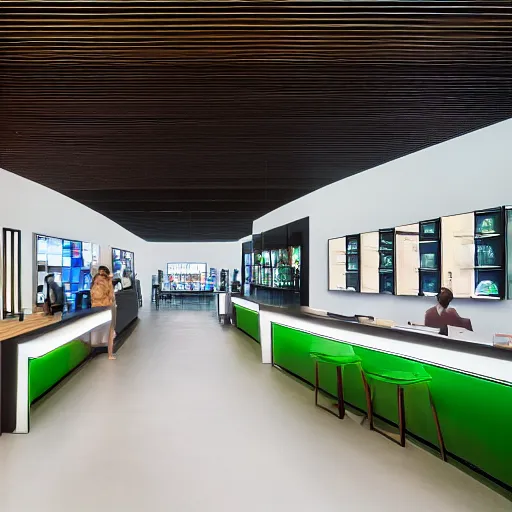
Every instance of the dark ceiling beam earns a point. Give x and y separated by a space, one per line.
254 208
167 195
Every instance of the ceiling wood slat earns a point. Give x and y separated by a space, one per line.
185 121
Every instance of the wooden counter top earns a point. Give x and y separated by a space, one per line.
13 327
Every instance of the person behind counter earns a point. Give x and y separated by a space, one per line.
54 296
441 315
102 294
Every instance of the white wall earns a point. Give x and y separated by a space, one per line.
464 174
32 208
218 255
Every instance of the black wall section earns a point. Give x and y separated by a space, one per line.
187 123
298 234
290 235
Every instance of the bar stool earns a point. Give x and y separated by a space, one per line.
341 355
416 374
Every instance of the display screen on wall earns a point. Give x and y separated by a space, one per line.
123 263
71 262
186 276
469 253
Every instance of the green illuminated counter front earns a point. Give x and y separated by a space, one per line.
38 354
471 384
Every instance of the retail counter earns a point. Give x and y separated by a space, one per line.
36 354
471 382
127 308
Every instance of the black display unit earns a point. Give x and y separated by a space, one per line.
387 261
353 263
490 253
123 263
430 257
280 264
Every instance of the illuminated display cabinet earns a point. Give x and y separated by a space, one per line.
469 253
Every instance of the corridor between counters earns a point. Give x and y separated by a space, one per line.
188 419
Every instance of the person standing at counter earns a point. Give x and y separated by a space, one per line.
441 315
54 302
102 295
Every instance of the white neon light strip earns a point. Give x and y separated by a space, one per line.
43 345
480 366
247 304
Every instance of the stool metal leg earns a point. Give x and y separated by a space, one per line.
401 414
368 394
438 427
341 401
316 383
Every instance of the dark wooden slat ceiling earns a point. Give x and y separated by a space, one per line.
187 120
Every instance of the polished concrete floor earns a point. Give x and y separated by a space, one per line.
187 419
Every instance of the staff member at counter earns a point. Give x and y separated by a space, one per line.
441 315
54 302
102 294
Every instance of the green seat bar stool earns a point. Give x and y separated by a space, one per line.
416 374
340 355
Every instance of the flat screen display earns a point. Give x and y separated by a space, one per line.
69 261
186 275
123 264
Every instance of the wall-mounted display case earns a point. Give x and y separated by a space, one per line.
280 264
387 261
407 243
276 268
490 254
72 263
370 262
344 263
468 253
430 257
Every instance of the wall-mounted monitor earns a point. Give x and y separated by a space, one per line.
123 264
72 263
187 276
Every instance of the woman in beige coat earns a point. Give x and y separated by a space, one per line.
102 295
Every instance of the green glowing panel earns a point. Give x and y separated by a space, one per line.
247 320
475 414
46 371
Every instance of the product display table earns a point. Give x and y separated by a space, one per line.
471 382
36 354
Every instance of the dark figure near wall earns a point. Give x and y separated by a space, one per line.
441 315
54 296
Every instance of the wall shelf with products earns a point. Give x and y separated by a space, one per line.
387 261
469 253
276 268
